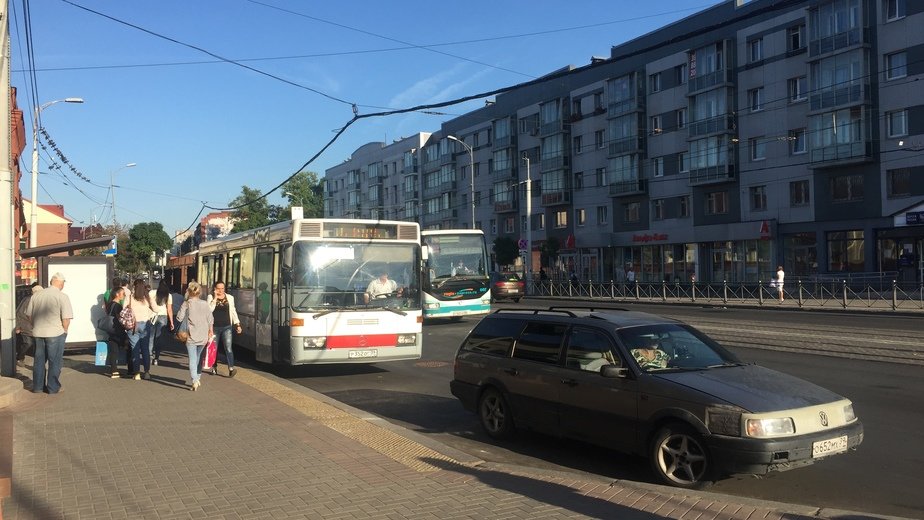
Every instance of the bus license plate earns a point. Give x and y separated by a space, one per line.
355 354
829 446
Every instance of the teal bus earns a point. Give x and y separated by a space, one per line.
456 279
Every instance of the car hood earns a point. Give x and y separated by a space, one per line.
756 389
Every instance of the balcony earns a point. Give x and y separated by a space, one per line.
552 127
835 42
447 158
556 198
504 171
629 187
505 142
839 154
505 206
634 144
445 214
713 125
411 194
712 174
442 187
841 95
618 108
376 181
554 163
708 81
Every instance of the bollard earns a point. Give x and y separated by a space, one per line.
724 291
844 295
801 300
693 292
636 291
760 293
612 290
894 295
663 291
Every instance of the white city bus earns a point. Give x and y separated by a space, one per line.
456 281
299 289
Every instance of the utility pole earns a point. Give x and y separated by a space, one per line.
7 263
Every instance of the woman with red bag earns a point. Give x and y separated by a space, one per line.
225 318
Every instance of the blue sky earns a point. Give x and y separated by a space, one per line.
199 128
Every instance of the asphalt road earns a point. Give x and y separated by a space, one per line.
882 477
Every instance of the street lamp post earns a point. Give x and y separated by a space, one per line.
112 189
471 162
529 217
33 224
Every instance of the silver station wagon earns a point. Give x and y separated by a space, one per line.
646 385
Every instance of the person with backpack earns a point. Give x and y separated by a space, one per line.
110 324
25 341
140 311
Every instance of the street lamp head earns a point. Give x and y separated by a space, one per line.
73 100
131 165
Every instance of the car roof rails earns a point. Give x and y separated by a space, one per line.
586 308
533 312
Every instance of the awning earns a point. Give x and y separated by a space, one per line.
68 247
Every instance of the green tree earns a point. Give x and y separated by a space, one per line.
506 250
305 190
549 251
254 210
145 241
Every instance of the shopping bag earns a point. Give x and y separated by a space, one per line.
102 351
210 354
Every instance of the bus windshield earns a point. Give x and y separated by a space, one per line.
337 275
456 255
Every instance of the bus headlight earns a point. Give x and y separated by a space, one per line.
314 342
407 339
431 306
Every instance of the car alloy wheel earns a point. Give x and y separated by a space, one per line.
680 458
496 418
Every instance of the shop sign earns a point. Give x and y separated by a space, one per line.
764 230
650 237
913 218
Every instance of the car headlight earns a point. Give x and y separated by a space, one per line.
849 416
314 342
407 339
723 421
770 427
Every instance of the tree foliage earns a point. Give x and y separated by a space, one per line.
144 242
254 210
506 250
98 230
305 190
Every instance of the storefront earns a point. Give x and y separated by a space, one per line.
901 248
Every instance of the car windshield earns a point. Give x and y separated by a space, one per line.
329 276
672 347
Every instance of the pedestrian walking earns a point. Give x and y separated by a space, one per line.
630 275
25 341
225 319
139 336
780 276
200 326
162 302
51 314
116 337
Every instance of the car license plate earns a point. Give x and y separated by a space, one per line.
829 446
354 354
513 291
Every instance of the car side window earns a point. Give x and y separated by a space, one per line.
540 342
494 337
589 350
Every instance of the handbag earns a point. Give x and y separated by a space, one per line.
182 331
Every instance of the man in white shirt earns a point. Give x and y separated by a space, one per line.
381 287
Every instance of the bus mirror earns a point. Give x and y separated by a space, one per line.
287 257
425 252
286 273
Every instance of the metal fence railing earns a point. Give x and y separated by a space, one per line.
815 292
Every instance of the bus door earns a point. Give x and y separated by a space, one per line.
267 315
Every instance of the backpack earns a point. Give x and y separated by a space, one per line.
106 324
127 318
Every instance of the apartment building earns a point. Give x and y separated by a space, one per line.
749 135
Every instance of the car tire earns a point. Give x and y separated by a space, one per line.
516 300
495 415
679 457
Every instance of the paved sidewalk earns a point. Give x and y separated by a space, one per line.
260 447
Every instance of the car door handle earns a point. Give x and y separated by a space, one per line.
569 382
511 371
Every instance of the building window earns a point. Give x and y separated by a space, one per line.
898 183
656 127
896 65
682 73
799 193
510 225
681 118
797 141
897 122
580 216
657 167
598 101
684 160
797 89
846 251
493 223
758 196
755 50
599 139
717 203
578 144
685 206
579 180
632 213
847 188
575 107
561 219
541 225
795 38
654 81
756 99
758 148
894 9
600 175
657 209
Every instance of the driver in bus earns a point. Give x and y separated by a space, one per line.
381 287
